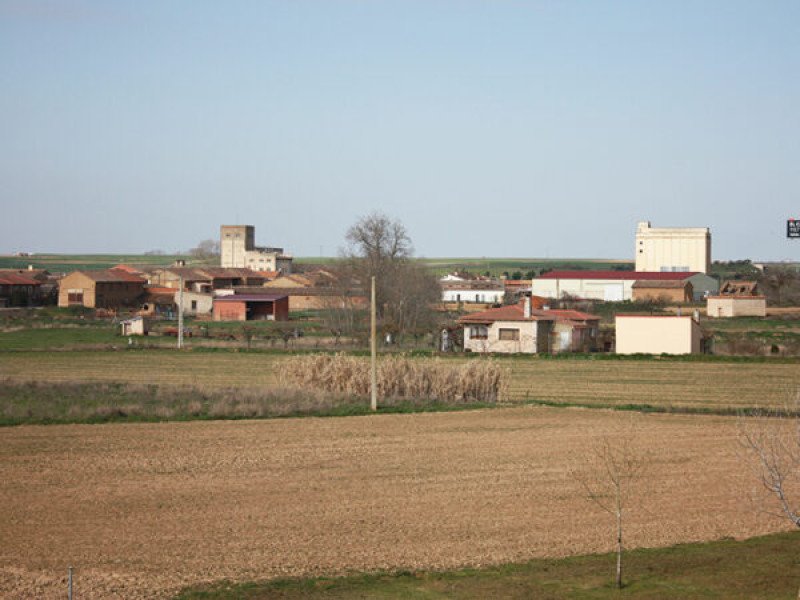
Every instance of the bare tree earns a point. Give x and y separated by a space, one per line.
248 333
780 284
769 443
206 249
380 247
613 468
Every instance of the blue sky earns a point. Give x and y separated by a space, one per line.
489 127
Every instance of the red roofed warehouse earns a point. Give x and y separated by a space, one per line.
114 288
614 286
251 307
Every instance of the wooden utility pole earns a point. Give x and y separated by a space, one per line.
373 352
180 313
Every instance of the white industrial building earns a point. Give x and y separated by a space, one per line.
238 250
664 249
613 286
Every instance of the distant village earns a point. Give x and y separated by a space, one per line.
497 315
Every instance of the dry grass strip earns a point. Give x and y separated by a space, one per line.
663 383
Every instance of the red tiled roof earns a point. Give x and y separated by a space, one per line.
620 275
14 279
573 315
513 312
113 276
128 268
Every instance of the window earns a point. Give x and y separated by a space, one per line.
478 332
194 304
509 335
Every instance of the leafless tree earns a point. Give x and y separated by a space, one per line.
206 249
248 333
380 247
769 443
780 285
610 478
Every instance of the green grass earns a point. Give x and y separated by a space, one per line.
764 567
495 266
40 403
56 263
60 337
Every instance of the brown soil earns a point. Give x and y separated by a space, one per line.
141 510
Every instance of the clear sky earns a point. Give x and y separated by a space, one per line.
506 128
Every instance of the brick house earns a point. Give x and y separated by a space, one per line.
113 288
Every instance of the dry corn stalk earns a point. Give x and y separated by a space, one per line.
399 377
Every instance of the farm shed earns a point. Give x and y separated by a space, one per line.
17 289
737 299
134 326
669 291
736 306
113 288
251 307
649 334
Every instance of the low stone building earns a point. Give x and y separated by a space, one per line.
672 291
737 299
134 326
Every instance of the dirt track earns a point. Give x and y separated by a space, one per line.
140 510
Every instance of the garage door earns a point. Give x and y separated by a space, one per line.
612 292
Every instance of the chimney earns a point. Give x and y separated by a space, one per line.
526 307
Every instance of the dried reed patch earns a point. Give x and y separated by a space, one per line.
399 377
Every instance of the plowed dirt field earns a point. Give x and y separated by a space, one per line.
141 510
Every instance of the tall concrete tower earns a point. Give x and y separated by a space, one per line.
673 248
234 243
